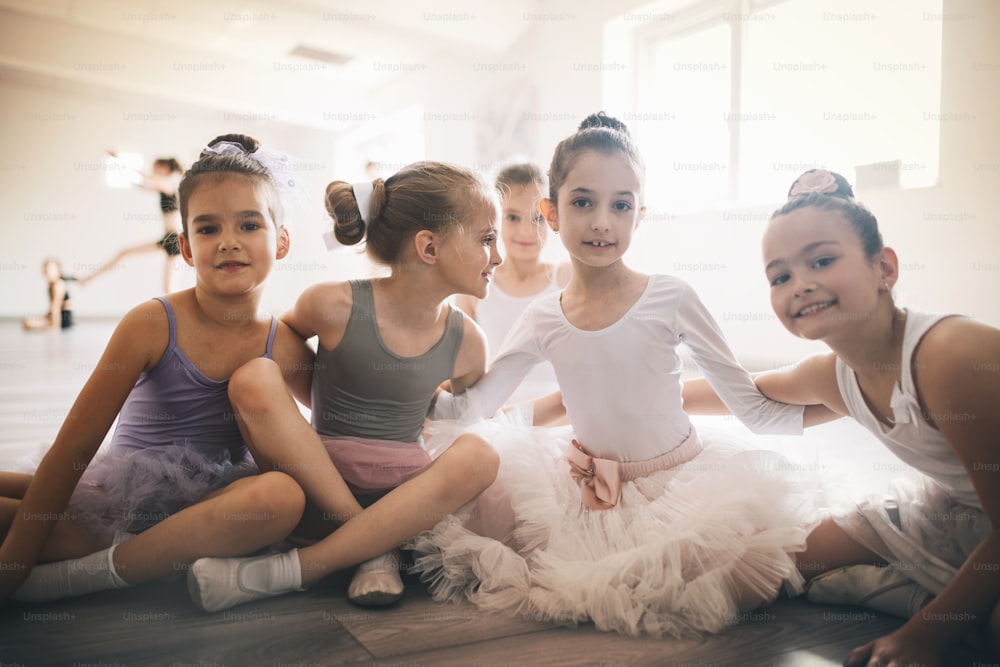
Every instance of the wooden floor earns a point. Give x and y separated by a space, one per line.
157 624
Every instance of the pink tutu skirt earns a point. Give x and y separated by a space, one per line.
690 537
371 466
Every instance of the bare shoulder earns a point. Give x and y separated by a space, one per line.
958 353
150 321
142 335
322 310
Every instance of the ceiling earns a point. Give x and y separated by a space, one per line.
238 56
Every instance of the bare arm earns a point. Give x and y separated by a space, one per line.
470 365
131 350
296 360
548 409
812 382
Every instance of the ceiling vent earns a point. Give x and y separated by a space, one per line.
320 55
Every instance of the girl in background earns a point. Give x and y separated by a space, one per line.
629 519
164 180
60 313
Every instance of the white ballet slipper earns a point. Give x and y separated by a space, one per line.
376 582
884 589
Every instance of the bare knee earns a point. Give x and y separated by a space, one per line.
474 461
271 497
252 385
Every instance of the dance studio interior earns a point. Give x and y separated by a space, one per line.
729 101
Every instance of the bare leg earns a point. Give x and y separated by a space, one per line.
68 539
248 515
14 484
829 547
281 439
456 477
140 249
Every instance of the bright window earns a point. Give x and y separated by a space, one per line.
735 98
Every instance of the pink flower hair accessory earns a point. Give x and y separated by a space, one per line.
814 180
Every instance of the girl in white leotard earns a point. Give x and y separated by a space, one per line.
629 518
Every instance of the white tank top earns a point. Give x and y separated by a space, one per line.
912 439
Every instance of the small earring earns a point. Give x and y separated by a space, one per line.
886 286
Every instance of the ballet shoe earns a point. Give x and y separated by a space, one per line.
215 584
377 583
884 589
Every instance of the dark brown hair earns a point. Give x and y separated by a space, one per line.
213 165
598 132
842 200
170 163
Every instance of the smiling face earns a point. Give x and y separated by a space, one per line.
598 208
469 254
522 226
231 239
822 281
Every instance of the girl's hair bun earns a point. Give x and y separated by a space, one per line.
601 119
249 144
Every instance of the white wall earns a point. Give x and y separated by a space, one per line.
55 202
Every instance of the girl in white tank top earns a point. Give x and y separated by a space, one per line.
928 387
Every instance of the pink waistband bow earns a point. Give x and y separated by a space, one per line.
599 479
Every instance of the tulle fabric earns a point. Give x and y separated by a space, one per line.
916 525
128 491
685 551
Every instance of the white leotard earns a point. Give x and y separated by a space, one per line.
621 385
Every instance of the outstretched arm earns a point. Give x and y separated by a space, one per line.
811 383
733 384
518 355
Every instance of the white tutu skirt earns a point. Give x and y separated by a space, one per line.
131 490
685 551
917 526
